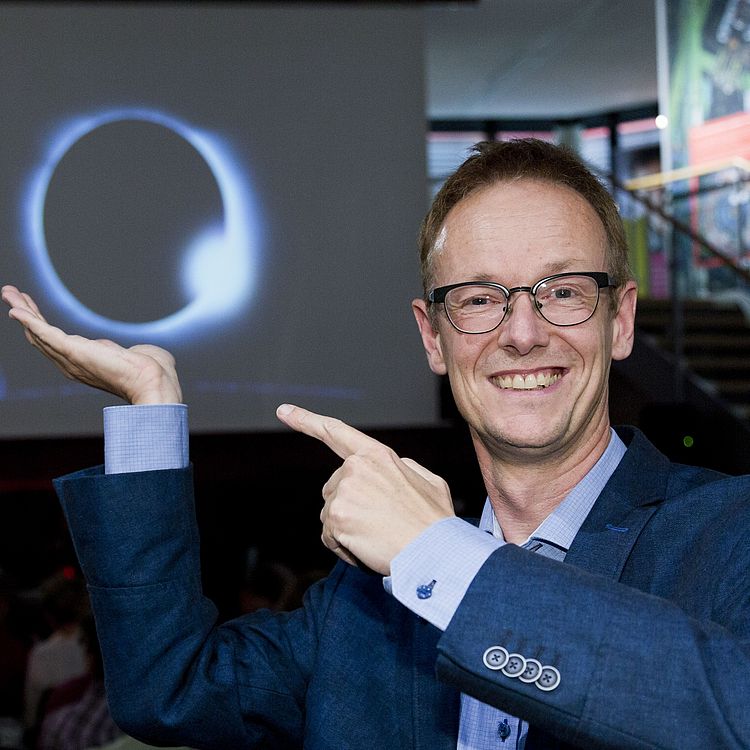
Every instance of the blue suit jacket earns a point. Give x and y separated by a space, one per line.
647 621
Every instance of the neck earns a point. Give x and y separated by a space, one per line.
524 489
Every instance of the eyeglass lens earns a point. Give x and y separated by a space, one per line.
478 308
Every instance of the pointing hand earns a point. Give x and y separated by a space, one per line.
375 503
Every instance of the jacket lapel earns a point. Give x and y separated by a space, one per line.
623 509
612 528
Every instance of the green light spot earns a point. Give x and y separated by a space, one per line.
688 441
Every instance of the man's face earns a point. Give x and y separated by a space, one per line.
516 233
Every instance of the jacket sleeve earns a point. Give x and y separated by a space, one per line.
631 670
173 676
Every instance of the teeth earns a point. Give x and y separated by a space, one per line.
529 382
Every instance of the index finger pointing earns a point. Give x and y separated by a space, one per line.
340 437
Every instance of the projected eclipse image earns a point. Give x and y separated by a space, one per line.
129 189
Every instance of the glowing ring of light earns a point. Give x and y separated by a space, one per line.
219 267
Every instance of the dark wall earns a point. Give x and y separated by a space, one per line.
257 490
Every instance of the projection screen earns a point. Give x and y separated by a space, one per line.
241 184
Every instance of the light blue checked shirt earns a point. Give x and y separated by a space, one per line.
450 552
145 438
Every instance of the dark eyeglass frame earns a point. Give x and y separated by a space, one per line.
603 281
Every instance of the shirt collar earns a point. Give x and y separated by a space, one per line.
560 527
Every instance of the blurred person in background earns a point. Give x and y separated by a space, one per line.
61 656
77 716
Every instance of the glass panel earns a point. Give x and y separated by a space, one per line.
445 152
595 149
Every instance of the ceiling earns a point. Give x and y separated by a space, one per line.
516 59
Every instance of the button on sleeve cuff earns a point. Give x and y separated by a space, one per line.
431 575
147 437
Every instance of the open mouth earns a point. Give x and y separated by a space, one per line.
528 382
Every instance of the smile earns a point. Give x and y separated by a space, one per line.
528 382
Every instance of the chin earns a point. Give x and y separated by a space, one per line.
523 437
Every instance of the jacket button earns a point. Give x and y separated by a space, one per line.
532 671
548 679
515 666
495 657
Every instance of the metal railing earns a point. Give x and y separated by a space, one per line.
678 206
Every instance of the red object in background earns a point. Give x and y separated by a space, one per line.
721 139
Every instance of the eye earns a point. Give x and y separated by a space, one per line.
560 293
481 299
478 301
565 292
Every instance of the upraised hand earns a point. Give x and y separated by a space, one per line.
142 374
375 503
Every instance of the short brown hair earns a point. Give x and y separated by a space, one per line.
527 158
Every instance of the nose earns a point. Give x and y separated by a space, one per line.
523 328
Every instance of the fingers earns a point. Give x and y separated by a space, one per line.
32 305
25 311
330 541
327 536
21 304
342 439
342 553
424 473
9 294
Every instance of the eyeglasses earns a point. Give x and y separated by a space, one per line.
564 299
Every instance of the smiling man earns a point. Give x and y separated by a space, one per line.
528 365
603 599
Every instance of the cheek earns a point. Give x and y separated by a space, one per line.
599 358
593 351
464 354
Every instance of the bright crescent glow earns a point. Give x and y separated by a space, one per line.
219 266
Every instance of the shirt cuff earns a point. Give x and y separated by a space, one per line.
431 575
147 437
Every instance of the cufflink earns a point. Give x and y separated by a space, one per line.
425 590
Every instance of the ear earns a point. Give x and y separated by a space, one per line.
430 337
623 323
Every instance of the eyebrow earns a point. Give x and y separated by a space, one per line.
549 270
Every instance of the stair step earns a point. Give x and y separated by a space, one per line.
725 363
658 313
700 320
741 410
735 340
708 343
716 344
734 389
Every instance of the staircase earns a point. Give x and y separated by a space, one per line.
716 345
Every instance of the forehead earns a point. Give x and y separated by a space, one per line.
522 228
